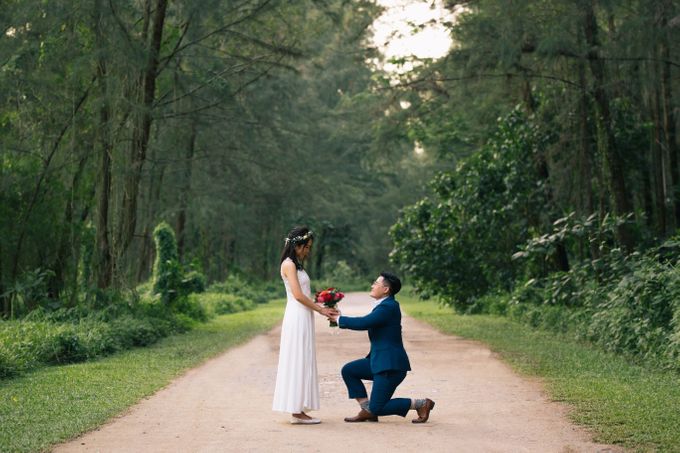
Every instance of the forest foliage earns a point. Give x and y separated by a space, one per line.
564 206
548 135
229 121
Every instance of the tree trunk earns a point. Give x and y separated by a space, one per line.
607 140
667 112
141 131
660 169
587 200
560 258
153 197
39 191
104 255
184 192
58 280
5 299
264 243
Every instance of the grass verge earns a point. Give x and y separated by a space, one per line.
57 403
619 402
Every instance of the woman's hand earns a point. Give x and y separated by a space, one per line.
328 312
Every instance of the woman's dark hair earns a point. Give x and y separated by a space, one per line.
300 235
392 281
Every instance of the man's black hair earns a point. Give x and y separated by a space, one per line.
392 281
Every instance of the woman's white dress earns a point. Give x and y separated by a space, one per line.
297 384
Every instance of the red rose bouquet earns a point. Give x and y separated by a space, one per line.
329 298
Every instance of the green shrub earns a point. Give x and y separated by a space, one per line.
69 335
169 279
458 241
127 332
672 352
8 363
637 315
191 307
341 275
29 292
64 345
221 304
193 282
182 323
240 287
167 272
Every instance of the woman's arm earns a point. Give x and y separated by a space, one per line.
290 271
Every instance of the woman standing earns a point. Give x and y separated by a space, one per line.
297 384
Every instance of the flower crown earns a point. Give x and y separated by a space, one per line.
296 239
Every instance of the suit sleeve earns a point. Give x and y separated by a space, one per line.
378 317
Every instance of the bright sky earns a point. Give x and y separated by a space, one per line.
393 30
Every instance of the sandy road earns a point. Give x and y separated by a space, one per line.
225 404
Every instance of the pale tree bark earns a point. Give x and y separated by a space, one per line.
141 130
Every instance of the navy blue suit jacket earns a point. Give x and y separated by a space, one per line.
384 331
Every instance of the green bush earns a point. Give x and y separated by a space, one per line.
240 287
221 303
341 275
48 336
169 279
457 243
193 282
191 307
29 292
637 315
67 336
128 331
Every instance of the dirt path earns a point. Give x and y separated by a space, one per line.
225 404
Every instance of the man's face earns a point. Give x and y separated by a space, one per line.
379 288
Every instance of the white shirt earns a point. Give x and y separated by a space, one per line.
379 300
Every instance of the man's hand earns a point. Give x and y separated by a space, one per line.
329 313
335 315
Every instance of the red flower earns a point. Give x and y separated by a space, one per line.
329 297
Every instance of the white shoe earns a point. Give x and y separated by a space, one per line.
303 421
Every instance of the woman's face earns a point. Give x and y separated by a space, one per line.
302 250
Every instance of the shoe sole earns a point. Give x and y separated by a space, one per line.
305 422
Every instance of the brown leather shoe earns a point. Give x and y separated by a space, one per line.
424 412
362 416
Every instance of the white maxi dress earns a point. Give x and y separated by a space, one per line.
297 383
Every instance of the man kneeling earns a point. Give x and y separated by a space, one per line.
387 363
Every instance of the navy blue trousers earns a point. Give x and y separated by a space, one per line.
384 385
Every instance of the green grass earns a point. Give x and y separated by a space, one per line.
57 403
619 402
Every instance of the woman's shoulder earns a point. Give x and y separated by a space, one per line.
287 264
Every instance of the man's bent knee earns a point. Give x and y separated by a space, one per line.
347 371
